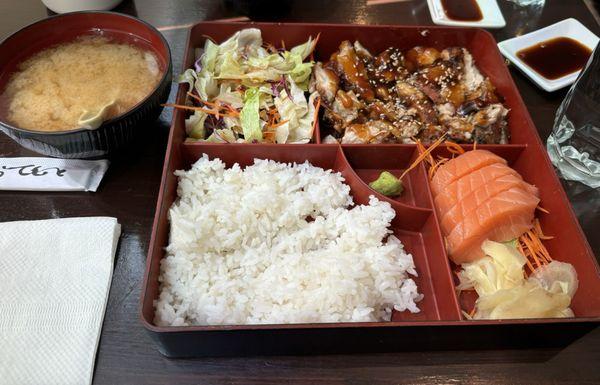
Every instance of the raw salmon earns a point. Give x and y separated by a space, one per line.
462 165
501 218
487 190
462 188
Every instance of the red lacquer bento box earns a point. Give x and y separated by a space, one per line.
440 324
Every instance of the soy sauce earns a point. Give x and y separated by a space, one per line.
462 10
556 57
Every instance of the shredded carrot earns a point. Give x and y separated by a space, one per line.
433 163
314 45
184 107
283 44
423 155
269 136
280 123
316 116
436 165
474 145
530 245
217 104
454 148
542 209
538 230
472 312
269 47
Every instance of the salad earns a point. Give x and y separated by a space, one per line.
244 90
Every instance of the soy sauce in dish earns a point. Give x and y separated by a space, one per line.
462 10
556 57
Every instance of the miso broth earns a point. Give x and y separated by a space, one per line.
78 84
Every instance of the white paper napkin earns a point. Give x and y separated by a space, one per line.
55 277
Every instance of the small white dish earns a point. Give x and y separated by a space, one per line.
492 16
567 28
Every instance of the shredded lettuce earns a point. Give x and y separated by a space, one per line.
298 112
241 73
249 116
194 125
222 136
303 50
189 77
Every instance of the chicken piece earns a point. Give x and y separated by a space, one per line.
470 84
387 67
344 110
430 133
490 124
445 110
484 94
454 94
413 97
467 108
352 70
428 88
458 128
373 131
439 81
419 57
361 51
384 93
389 111
453 54
406 128
472 78
325 82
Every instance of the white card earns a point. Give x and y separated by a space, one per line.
51 174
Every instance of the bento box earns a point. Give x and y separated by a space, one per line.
440 324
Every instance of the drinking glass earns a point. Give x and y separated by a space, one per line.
528 2
574 144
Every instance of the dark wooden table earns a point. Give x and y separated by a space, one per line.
129 191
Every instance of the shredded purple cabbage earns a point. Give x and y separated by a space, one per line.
197 66
285 87
274 89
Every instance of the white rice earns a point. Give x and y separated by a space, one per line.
243 252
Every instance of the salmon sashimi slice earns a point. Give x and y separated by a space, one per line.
501 218
462 188
460 166
465 207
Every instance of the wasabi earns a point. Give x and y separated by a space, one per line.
387 184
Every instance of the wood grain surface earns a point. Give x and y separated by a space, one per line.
129 191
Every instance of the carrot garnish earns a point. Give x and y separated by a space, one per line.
316 116
423 155
211 112
436 165
454 148
217 104
542 209
433 164
530 245
472 312
283 44
314 45
278 124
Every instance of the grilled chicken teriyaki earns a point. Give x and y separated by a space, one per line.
397 96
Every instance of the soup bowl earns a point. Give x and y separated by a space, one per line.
114 133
